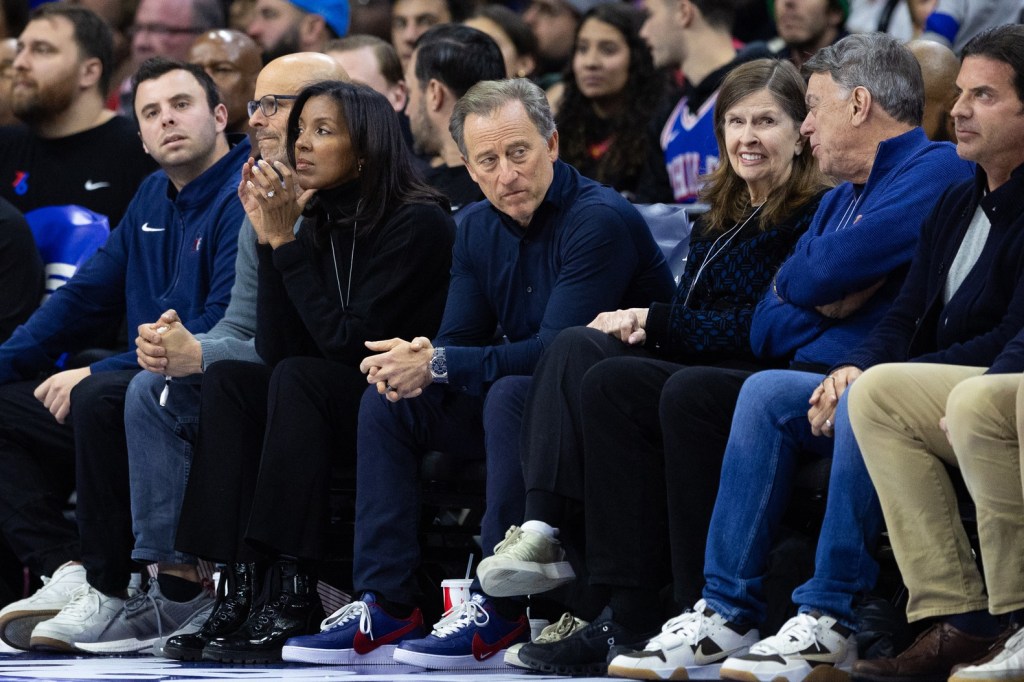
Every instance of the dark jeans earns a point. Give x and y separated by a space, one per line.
392 439
268 438
38 457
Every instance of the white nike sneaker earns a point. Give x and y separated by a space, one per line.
691 645
1007 665
17 619
804 642
87 607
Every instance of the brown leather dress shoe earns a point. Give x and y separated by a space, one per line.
929 659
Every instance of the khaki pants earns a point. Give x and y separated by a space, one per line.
895 411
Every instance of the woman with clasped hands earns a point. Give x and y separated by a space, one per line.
370 260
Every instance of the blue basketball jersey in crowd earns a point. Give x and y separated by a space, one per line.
688 140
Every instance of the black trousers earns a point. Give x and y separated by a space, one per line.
43 461
268 438
655 439
552 441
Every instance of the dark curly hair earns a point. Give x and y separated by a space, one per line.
579 124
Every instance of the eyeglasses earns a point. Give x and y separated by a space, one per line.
163 30
267 104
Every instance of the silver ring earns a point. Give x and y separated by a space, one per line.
828 423
390 388
270 194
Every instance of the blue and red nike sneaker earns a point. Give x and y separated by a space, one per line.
359 633
470 636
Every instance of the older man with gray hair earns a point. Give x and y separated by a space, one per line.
531 260
865 100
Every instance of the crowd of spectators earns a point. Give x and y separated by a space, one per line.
343 236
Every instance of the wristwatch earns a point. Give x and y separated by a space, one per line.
439 366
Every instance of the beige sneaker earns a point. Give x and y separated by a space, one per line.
525 562
560 629
17 619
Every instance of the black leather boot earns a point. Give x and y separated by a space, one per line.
293 608
236 594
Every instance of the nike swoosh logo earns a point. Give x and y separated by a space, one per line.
90 185
364 645
482 650
147 228
702 658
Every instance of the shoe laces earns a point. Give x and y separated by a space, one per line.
346 613
798 633
139 602
686 627
84 600
461 616
512 537
558 630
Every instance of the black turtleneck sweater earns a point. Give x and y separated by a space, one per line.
322 302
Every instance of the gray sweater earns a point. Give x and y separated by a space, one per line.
233 337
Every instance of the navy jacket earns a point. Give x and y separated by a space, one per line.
860 234
586 250
171 250
985 313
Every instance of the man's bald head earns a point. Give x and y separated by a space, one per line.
939 68
233 60
286 76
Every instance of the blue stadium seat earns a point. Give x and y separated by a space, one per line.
66 237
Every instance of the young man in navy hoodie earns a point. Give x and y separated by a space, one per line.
174 248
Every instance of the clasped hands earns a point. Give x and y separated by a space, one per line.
166 347
400 369
825 398
272 200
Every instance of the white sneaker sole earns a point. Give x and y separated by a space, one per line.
438 662
1015 675
120 646
383 655
503 577
637 669
42 643
797 673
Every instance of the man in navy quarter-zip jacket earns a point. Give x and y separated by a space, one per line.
175 248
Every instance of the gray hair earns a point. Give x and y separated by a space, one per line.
486 97
882 65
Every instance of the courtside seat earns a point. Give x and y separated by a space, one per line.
66 237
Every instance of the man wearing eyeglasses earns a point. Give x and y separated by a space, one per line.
166 28
161 420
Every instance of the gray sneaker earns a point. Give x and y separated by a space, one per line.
190 627
143 623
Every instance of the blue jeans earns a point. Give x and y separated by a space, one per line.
769 432
160 442
392 437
